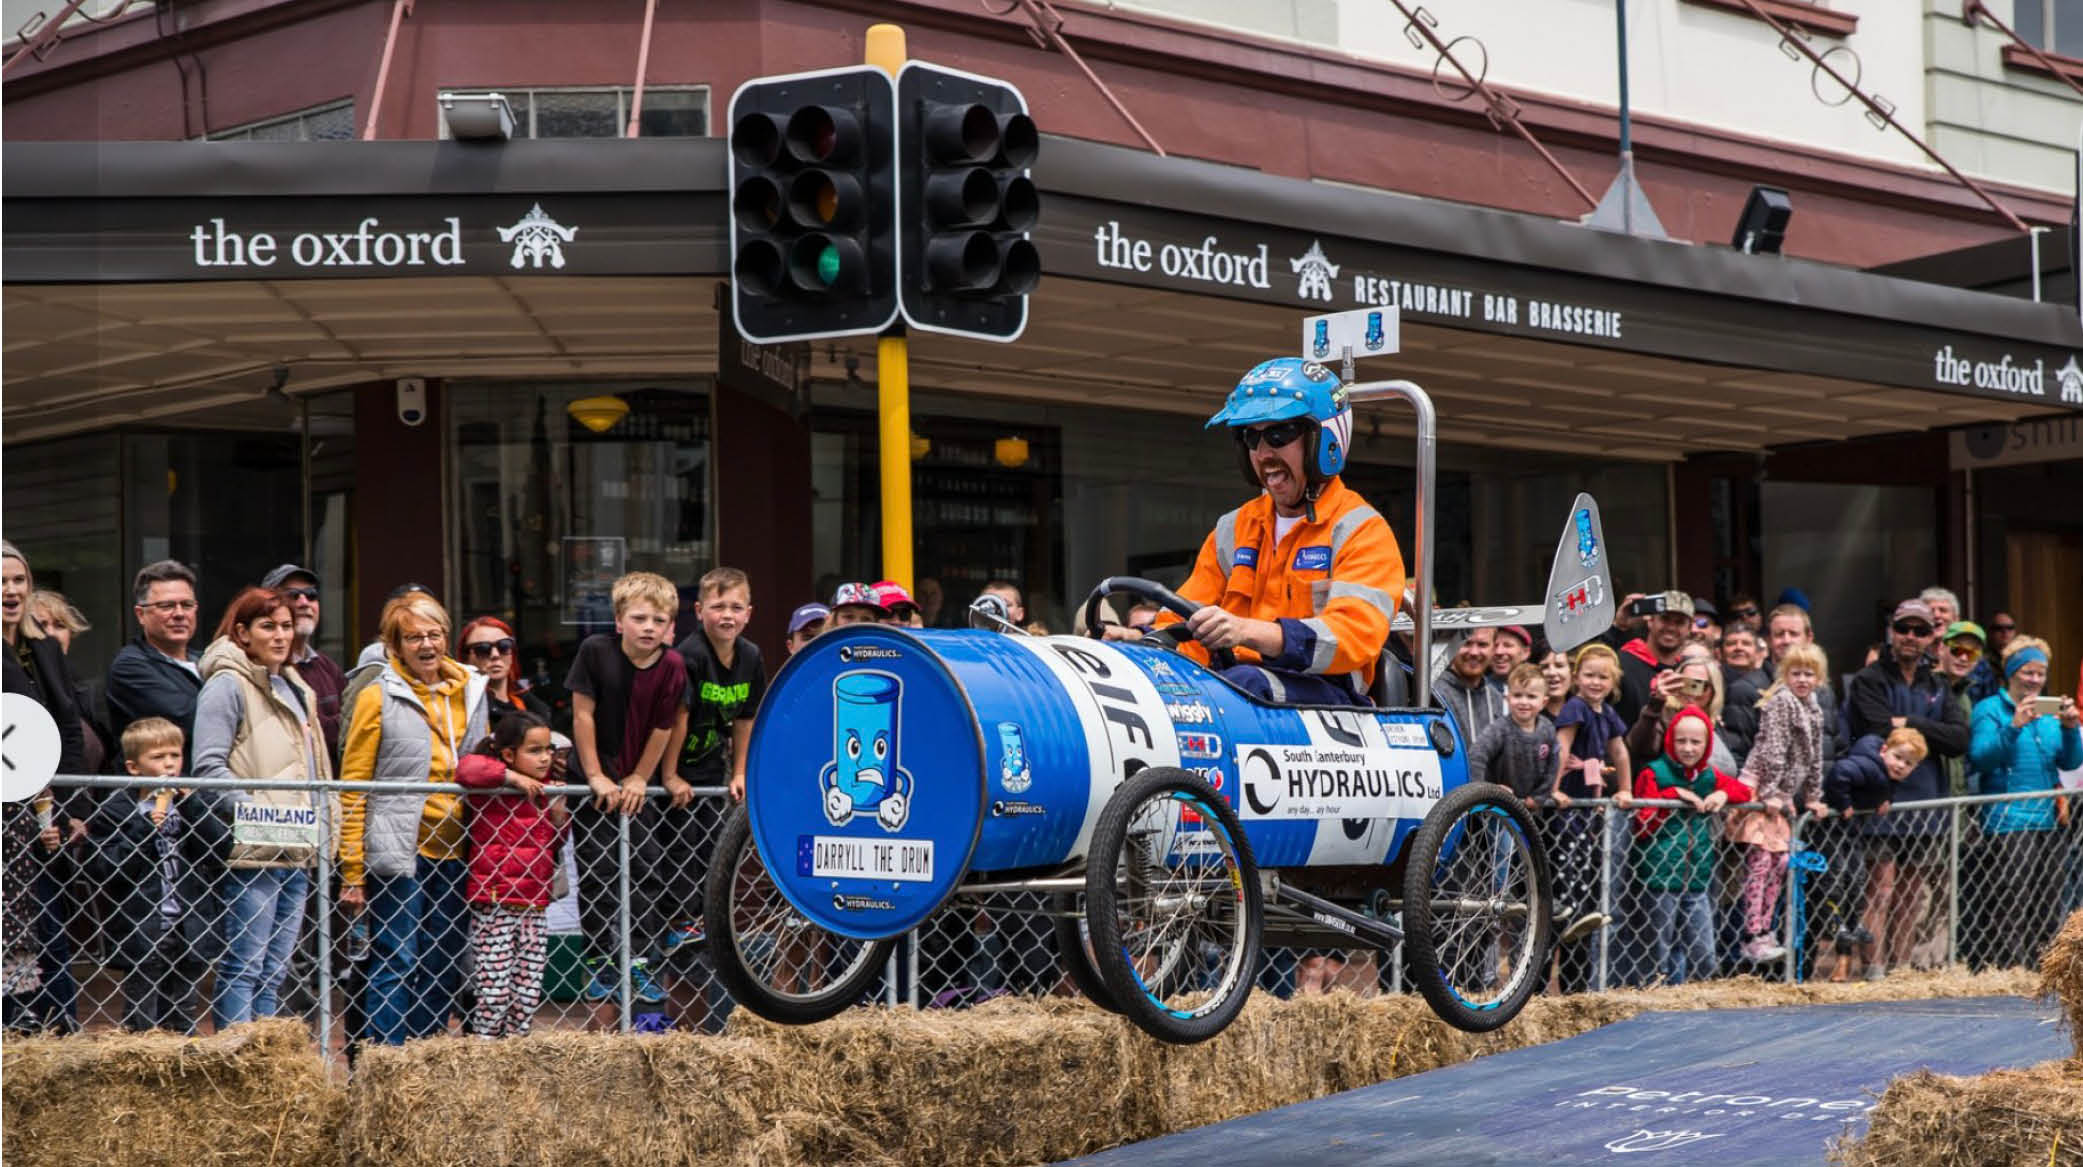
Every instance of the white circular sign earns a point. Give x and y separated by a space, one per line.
29 747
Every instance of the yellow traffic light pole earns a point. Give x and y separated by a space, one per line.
885 50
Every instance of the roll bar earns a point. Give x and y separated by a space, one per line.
1428 451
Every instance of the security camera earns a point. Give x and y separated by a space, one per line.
412 400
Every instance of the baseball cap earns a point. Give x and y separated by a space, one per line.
1706 608
1677 601
809 613
281 575
861 595
892 596
1516 630
1966 628
1913 610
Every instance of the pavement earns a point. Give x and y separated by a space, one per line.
1730 1086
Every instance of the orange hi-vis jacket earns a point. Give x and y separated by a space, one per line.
1332 584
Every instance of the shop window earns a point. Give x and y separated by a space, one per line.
1855 550
331 122
64 512
601 111
2054 26
986 501
550 509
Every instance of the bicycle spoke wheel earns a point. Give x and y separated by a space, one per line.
771 958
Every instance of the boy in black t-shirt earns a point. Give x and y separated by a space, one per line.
627 693
725 681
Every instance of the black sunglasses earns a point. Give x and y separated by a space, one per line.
1746 613
1276 435
1911 628
504 646
2003 628
301 593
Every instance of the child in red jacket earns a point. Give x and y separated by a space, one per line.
513 862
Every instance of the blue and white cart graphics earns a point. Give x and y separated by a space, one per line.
1173 824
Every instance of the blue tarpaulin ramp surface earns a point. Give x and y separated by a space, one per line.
1766 1086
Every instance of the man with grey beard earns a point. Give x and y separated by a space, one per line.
319 671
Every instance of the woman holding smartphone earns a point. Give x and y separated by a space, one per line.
2020 744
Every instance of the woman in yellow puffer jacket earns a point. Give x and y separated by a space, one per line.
403 856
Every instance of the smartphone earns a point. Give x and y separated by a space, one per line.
1646 606
2046 706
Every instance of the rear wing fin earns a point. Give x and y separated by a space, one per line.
1579 603
1580 598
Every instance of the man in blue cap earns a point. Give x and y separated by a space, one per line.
1301 582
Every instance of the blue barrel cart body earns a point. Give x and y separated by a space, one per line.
1002 751
1171 822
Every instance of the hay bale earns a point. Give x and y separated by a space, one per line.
2005 1118
1009 1082
253 1094
556 1098
2061 975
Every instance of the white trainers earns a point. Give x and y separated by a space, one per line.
1763 950
1581 927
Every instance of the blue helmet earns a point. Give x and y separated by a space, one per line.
1290 387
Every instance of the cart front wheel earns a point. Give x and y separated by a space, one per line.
1476 907
770 957
1172 903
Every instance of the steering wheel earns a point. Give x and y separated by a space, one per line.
1163 597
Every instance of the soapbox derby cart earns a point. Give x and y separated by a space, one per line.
1166 823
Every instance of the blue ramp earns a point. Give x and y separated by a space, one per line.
1766 1086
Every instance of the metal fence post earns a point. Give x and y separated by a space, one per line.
911 961
1605 894
622 919
324 898
1953 890
1794 931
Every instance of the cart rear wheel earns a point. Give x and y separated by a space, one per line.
1074 949
770 958
1476 907
1172 902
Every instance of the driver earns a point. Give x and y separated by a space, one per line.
1301 582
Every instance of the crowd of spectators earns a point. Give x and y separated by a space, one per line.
1737 716
205 893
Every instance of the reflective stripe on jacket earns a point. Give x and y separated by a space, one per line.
1332 584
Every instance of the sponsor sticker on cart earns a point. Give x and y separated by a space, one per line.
862 857
1406 735
1336 781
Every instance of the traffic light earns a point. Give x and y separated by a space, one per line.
967 203
813 221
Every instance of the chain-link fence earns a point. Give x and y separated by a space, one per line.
386 911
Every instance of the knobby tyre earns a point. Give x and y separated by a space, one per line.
770 957
1476 907
1172 903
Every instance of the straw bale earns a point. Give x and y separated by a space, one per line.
2061 975
1008 1082
2005 1118
253 1094
557 1098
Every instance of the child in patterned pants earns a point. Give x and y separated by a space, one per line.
514 838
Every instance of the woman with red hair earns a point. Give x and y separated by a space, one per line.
487 644
256 718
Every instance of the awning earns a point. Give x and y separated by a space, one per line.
148 279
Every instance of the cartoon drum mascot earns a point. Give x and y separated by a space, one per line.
863 776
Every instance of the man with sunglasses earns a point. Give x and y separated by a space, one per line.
1900 690
1959 651
1300 582
325 676
1986 680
